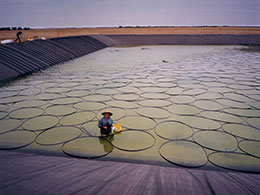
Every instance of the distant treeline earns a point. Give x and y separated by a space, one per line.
15 28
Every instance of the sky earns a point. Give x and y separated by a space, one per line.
109 13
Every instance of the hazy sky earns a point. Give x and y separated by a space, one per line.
79 13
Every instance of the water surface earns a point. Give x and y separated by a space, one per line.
188 106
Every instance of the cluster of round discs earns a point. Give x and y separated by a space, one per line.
205 113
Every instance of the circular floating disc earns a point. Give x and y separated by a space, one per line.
69 84
240 87
243 112
192 86
153 89
250 147
208 105
30 103
166 85
235 161
154 103
57 90
5 94
122 104
126 97
58 135
242 131
207 79
117 113
165 80
255 122
97 98
12 99
232 104
209 96
30 91
137 122
106 91
90 106
155 95
45 85
214 84
60 110
64 101
132 76
183 153
129 89
200 123
175 91
77 118
182 99
97 82
121 80
173 130
132 141
140 85
85 87
87 147
220 89
3 107
16 139
26 113
216 140
194 91
183 109
144 80
91 128
237 97
221 116
47 96
157 113
40 123
78 93
114 85
3 114
9 124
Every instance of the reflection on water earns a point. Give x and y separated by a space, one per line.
191 106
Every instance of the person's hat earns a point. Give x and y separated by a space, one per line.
107 111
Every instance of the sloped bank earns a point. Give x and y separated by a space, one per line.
27 57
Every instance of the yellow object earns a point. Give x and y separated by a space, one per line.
117 127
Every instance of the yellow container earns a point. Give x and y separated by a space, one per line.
117 127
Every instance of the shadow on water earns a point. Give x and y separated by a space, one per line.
106 142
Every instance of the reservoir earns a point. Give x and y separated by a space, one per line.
180 106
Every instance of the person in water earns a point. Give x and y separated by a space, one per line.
105 124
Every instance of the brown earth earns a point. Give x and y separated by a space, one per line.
64 32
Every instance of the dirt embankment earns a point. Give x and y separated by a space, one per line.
64 32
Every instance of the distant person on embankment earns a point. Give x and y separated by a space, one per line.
105 124
18 36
